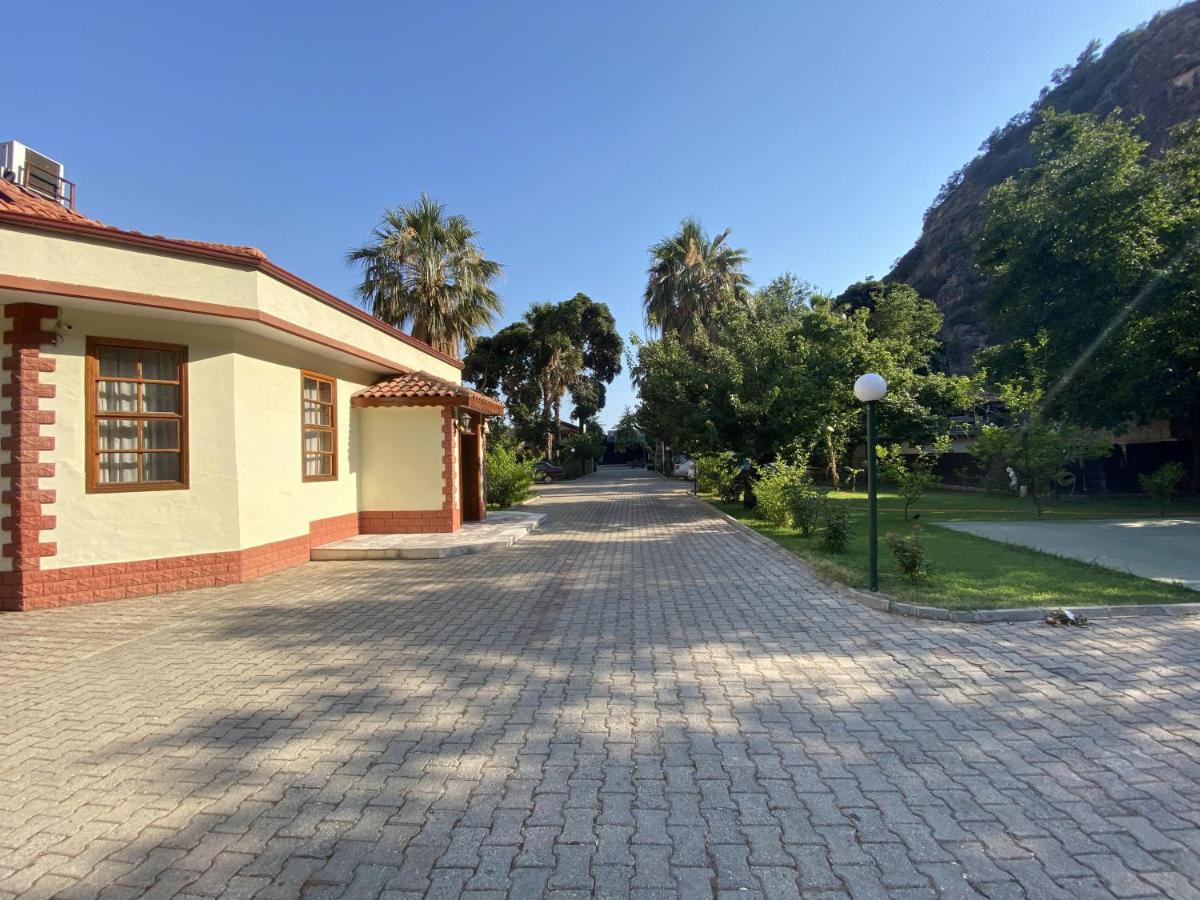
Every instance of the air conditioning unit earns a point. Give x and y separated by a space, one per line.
37 172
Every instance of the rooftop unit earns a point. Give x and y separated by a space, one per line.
37 172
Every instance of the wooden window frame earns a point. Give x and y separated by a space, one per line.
94 414
332 427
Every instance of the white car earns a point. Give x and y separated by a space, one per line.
685 468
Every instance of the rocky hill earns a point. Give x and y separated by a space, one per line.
1152 71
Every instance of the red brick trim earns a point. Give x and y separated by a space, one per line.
23 467
115 581
451 496
399 521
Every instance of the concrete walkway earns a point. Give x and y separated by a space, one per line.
635 700
1161 549
499 531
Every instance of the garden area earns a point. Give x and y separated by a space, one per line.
963 571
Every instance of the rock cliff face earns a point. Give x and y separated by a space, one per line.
1152 71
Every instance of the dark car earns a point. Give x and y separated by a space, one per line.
547 471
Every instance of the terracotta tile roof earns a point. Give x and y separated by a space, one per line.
20 201
423 389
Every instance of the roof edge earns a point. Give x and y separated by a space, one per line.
243 260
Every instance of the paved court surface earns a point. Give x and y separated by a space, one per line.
635 700
1162 549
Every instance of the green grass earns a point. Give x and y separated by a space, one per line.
970 572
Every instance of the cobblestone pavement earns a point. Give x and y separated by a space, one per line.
636 700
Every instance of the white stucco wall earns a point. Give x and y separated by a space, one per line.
402 455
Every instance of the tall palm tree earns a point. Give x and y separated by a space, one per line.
424 271
691 277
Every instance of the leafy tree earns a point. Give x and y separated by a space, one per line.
557 349
1036 447
1096 243
691 278
588 444
424 270
628 434
776 376
912 476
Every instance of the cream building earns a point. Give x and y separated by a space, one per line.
180 414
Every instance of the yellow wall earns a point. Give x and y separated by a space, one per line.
65 259
403 450
120 527
246 486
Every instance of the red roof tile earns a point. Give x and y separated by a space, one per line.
17 200
423 389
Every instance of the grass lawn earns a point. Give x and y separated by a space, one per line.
969 572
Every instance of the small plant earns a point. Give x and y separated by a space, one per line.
1161 484
716 474
910 554
509 480
912 477
774 489
806 503
836 536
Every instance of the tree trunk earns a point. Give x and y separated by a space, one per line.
833 462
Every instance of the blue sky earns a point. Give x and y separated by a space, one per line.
572 135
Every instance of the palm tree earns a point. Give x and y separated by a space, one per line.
424 271
691 277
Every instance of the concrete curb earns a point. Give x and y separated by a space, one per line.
885 603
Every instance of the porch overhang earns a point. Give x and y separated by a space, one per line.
423 389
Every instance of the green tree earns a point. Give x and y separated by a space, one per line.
628 434
691 278
912 474
1038 448
775 376
424 271
1096 244
557 349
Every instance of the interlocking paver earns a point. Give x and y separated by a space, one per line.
637 700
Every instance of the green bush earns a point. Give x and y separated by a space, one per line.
836 536
806 503
774 490
1161 484
509 480
715 473
910 554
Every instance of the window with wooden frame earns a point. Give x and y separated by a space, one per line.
136 407
318 426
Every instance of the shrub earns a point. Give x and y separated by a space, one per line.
910 554
715 474
836 536
914 476
1161 484
509 480
774 490
805 503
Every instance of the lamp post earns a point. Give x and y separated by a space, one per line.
870 389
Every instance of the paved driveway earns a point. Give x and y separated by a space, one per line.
636 699
1162 549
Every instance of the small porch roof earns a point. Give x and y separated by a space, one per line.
423 389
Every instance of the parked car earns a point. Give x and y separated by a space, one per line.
685 468
548 471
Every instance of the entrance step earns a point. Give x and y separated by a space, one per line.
498 532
